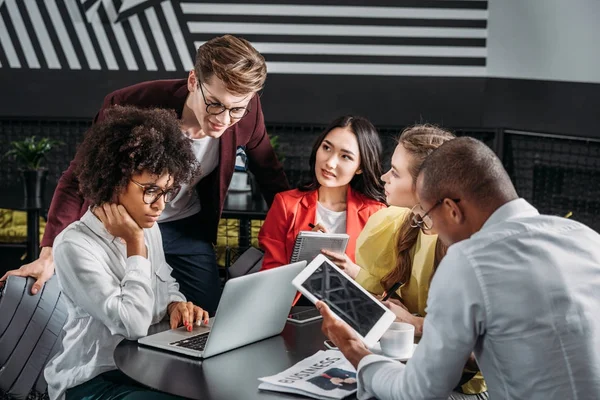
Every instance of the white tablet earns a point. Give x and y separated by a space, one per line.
323 280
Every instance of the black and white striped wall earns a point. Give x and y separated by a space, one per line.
394 61
100 35
420 39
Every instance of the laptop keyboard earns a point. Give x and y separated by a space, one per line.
193 342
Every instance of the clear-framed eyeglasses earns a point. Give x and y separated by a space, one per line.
152 193
217 108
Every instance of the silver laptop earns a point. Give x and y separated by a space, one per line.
252 307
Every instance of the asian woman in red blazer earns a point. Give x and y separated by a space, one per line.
344 191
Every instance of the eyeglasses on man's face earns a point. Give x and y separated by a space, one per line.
152 193
217 108
421 218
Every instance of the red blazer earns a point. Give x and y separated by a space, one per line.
68 205
291 213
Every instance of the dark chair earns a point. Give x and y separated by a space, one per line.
248 262
31 332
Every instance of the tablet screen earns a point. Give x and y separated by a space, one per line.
346 300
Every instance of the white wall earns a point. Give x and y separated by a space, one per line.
544 39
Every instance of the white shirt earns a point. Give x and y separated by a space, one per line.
187 202
334 221
108 296
523 293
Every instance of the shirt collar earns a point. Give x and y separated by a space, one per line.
517 208
95 225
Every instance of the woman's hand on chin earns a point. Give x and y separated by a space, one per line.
118 222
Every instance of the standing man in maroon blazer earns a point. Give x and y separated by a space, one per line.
219 109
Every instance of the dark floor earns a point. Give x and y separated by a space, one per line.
4 396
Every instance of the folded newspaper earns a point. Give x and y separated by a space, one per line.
324 375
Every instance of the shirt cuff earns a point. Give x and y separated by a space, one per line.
176 297
137 268
365 373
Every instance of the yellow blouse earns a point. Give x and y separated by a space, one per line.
376 255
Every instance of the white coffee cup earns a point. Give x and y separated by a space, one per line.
398 340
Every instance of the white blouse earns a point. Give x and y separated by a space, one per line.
334 221
109 297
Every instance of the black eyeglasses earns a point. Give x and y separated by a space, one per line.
421 218
218 108
152 193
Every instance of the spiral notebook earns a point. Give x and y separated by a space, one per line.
309 244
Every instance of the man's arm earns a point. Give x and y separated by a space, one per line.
455 321
67 202
262 160
65 208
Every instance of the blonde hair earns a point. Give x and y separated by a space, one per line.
419 141
234 61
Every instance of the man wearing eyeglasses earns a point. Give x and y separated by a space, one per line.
518 289
219 109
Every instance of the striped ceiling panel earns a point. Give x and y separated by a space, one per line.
415 38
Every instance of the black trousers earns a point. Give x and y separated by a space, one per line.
193 261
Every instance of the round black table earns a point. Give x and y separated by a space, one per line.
228 376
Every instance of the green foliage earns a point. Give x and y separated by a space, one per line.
275 144
31 152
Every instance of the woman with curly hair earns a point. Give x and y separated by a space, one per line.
218 105
110 264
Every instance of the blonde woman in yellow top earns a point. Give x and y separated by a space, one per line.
377 249
392 249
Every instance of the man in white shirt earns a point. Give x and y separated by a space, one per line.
518 289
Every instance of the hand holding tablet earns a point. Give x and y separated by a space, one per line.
323 280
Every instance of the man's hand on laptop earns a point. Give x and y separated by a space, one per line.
186 314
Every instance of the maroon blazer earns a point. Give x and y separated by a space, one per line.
68 205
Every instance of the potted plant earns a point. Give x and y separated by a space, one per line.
276 147
30 154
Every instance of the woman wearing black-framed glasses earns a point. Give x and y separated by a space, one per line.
232 74
110 264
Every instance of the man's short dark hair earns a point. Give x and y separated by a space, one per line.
465 168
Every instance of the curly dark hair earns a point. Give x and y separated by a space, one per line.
130 140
